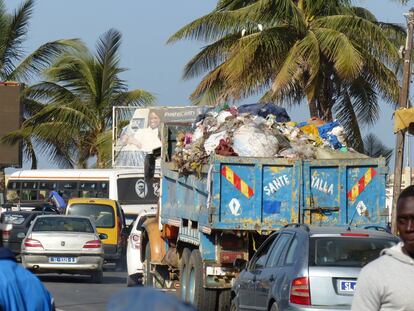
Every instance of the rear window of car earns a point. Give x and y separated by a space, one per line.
102 214
15 219
63 224
346 251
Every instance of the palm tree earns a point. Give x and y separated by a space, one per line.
77 97
14 66
374 148
336 56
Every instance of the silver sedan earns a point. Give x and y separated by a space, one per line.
63 244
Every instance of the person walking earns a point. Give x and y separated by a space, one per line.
20 290
387 283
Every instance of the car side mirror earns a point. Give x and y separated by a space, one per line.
21 235
103 236
240 263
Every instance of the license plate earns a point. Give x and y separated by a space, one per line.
62 259
347 286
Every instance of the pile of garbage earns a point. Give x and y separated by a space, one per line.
258 130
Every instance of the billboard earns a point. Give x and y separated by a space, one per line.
141 135
11 110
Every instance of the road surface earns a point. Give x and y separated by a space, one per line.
77 293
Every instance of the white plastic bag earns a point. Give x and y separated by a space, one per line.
249 141
213 141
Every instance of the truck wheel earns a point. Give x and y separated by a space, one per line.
224 300
184 261
202 298
147 278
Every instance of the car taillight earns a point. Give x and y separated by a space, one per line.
6 235
93 244
300 291
32 243
135 241
118 221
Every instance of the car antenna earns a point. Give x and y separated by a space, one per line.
352 219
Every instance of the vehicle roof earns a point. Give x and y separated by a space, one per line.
92 201
62 216
65 174
317 230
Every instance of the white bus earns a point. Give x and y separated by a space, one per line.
29 188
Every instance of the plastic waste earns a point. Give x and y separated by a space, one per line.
249 141
213 141
263 110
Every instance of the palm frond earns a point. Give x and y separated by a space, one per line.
16 30
374 148
43 57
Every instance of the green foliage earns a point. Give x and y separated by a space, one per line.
373 147
15 66
76 100
336 55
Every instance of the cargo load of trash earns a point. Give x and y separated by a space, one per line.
258 130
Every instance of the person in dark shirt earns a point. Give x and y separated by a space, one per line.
20 290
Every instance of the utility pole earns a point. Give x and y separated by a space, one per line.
402 103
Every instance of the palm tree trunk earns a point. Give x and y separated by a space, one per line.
313 108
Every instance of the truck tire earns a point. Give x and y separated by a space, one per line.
147 278
184 261
202 298
224 300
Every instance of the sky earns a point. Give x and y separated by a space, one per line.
146 25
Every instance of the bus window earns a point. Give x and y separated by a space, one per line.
13 190
137 191
28 195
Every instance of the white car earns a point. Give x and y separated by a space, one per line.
134 264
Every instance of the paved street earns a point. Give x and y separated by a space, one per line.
77 293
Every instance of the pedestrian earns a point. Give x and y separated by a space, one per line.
387 283
20 290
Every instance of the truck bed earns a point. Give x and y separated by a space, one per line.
238 193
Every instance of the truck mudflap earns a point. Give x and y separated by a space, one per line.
219 277
157 243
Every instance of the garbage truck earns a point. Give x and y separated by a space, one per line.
220 214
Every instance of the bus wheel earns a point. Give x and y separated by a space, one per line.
202 298
184 261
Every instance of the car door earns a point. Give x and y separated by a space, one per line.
268 275
246 295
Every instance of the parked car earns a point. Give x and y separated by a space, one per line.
64 244
20 221
307 268
109 219
134 263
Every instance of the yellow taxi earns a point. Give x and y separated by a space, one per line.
109 219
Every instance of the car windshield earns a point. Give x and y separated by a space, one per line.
102 214
15 219
346 252
63 224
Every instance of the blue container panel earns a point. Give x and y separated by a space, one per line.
238 194
322 195
280 195
367 184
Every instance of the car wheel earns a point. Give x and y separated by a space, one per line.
97 277
184 260
131 281
147 278
234 306
202 298
274 307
